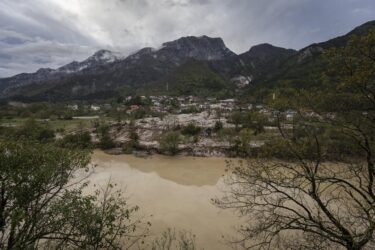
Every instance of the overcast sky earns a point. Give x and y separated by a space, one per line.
51 33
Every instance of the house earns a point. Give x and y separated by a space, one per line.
134 107
94 108
73 107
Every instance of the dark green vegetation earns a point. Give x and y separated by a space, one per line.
169 142
191 130
133 142
194 78
305 69
310 201
42 205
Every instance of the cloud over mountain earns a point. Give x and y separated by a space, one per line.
50 33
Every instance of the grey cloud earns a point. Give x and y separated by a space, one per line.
49 33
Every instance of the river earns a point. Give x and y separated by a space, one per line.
173 192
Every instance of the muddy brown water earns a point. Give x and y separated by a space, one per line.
173 192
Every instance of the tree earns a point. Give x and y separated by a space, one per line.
241 144
255 121
191 130
218 126
79 140
42 205
236 118
133 142
33 131
169 142
309 202
106 141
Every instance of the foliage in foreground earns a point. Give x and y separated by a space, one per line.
42 204
309 202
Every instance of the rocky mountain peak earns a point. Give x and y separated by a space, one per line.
266 51
103 56
200 48
100 57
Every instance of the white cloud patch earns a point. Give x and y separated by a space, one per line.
50 33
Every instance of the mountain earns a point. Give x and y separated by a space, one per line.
101 57
189 65
304 68
194 77
103 72
200 48
264 58
11 85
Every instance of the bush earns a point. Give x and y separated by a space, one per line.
33 131
241 144
227 134
218 126
80 140
132 144
191 110
106 141
191 130
139 113
169 142
44 210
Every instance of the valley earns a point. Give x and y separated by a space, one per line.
192 146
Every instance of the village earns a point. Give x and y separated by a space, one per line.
221 127
196 126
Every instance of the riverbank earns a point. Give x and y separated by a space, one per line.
200 135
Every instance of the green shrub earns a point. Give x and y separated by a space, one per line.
80 140
218 126
106 141
169 142
132 144
191 130
33 131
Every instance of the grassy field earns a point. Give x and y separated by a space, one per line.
66 125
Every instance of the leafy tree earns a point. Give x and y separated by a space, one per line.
191 130
106 141
255 121
218 126
236 119
31 130
133 142
169 142
241 144
80 140
42 205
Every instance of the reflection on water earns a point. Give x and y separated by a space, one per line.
172 192
183 170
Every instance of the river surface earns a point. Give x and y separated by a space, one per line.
173 192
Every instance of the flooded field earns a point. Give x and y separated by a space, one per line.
173 192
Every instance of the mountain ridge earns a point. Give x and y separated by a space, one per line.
265 65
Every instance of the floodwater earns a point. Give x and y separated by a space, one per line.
173 192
